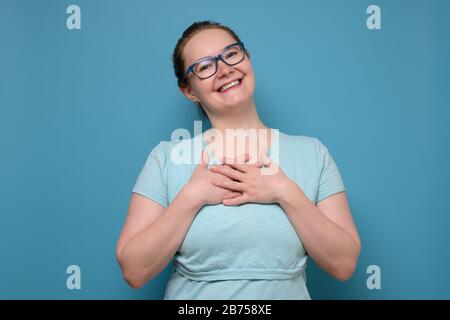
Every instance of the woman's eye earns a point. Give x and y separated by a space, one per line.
204 67
231 54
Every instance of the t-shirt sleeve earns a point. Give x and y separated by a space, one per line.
152 180
330 181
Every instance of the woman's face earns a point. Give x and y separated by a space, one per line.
210 42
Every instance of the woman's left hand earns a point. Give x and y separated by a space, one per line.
250 182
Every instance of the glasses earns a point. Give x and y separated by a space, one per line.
207 67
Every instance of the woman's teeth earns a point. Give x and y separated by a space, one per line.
231 84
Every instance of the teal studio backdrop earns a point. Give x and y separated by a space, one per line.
80 109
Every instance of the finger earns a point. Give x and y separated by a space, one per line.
251 161
235 165
243 168
235 201
230 185
232 194
246 159
270 167
239 160
264 158
254 164
204 158
228 171
243 158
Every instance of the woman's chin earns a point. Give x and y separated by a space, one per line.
236 99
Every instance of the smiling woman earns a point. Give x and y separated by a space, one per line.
233 232
220 50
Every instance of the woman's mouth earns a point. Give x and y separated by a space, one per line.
230 86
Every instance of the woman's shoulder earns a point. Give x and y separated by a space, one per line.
306 147
167 145
179 149
296 140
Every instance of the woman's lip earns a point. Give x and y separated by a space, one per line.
236 86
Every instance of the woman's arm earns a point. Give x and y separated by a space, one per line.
152 234
326 230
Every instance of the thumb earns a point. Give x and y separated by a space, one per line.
265 160
204 159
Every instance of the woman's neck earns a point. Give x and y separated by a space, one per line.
240 132
242 117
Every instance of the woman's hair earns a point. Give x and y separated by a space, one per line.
177 56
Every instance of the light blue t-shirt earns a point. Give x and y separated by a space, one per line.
250 251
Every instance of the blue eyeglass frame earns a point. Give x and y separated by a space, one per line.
216 59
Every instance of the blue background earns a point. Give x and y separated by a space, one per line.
81 109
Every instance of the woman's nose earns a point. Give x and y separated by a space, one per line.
223 69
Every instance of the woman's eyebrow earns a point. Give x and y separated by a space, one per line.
205 57
212 56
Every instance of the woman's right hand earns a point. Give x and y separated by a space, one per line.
200 187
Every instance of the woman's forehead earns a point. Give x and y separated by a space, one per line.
205 43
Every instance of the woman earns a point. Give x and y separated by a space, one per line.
233 232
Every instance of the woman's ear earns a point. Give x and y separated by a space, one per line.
188 93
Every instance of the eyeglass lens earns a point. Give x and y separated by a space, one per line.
207 67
